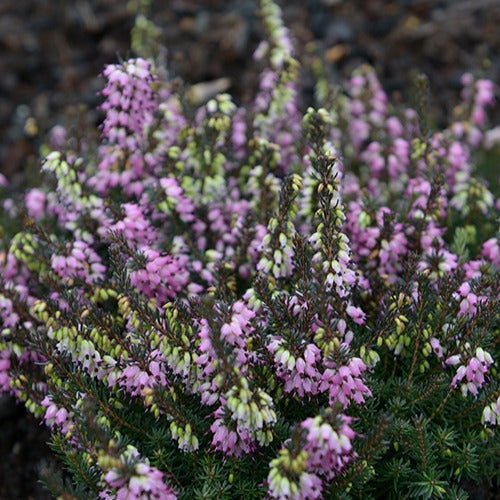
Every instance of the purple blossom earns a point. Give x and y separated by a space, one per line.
472 374
136 480
438 262
163 276
35 203
56 416
436 347
328 445
300 374
491 251
289 479
135 226
79 261
4 371
228 438
130 105
344 383
469 301
491 413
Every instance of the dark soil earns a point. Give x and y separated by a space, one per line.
51 52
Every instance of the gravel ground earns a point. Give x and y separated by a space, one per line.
51 52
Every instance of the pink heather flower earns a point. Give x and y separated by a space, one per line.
472 375
453 360
328 444
458 129
484 97
356 108
130 106
288 478
176 199
439 262
135 380
136 480
225 220
130 102
362 236
308 487
469 301
239 330
396 167
464 289
79 261
135 226
234 333
491 413
4 371
300 374
207 362
344 384
479 116
492 137
239 133
459 167
355 85
394 127
57 137
474 269
7 313
466 80
365 87
356 314
55 416
418 190
431 236
468 304
436 347
35 200
474 136
277 117
391 253
163 277
359 131
491 251
485 92
229 438
373 157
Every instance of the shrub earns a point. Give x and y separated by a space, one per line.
228 302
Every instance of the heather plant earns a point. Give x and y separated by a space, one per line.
217 301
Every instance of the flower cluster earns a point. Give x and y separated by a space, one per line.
288 478
132 478
329 448
491 413
258 301
55 416
471 374
130 107
469 301
162 276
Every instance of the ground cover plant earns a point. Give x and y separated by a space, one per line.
216 301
